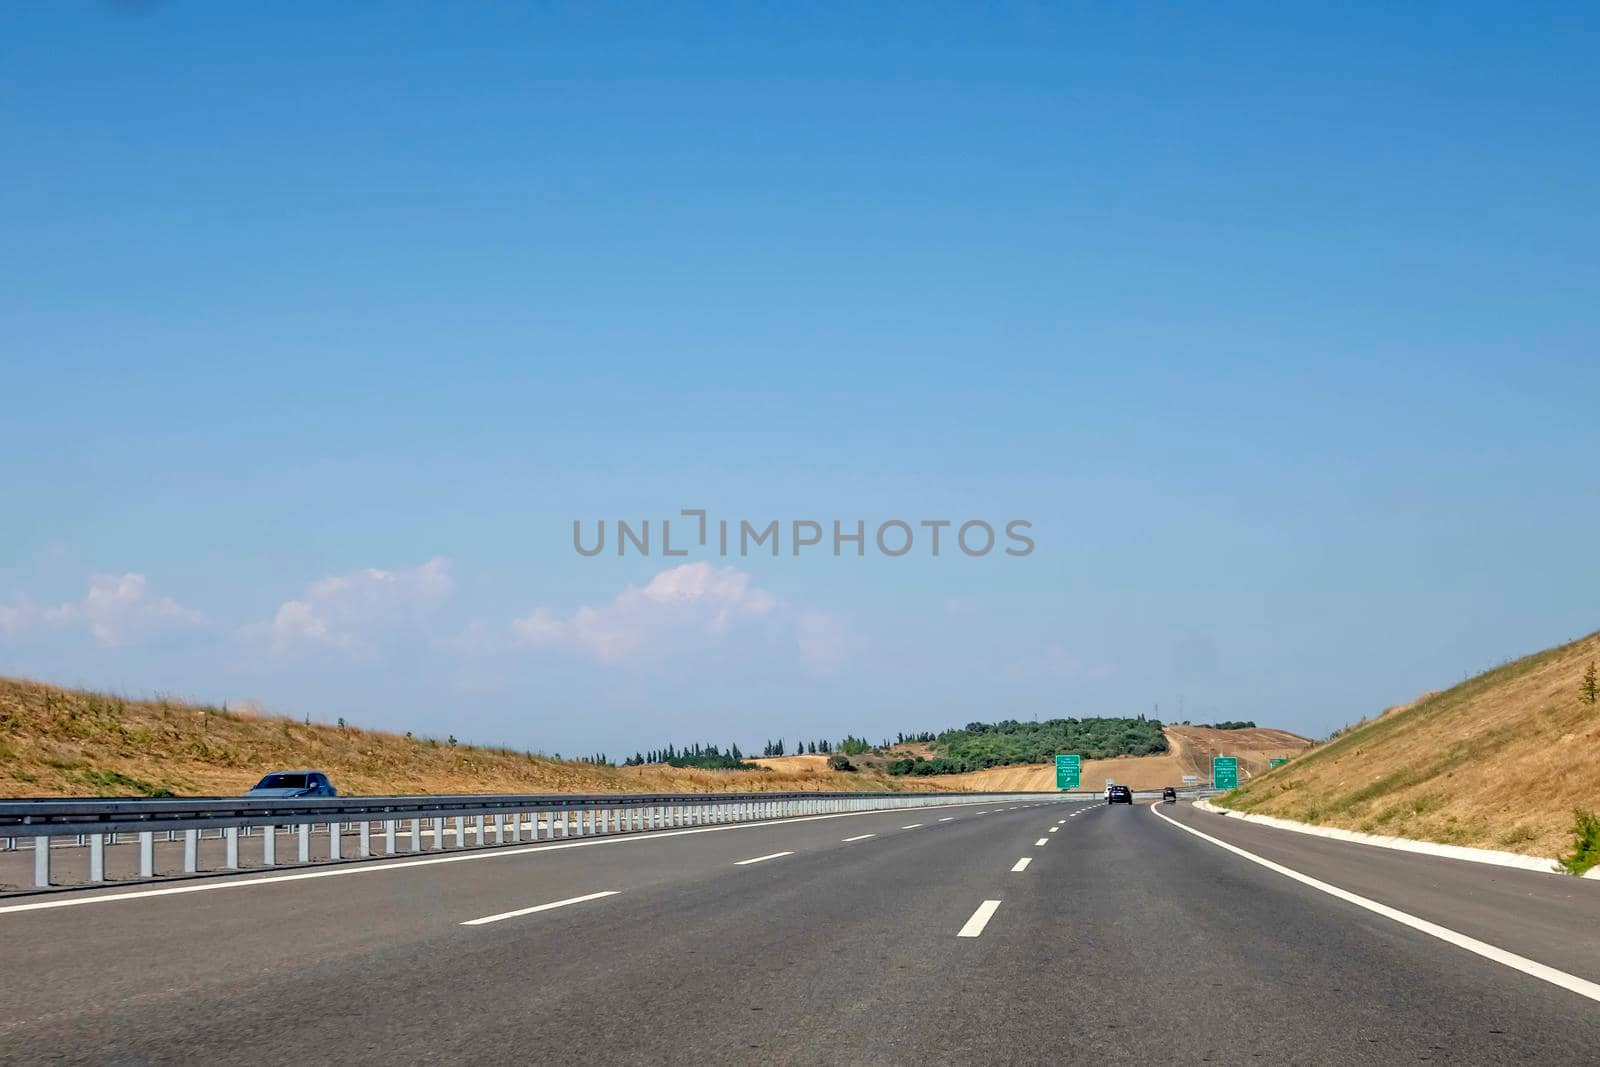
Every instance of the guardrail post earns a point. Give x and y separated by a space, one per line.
416 834
191 851
97 857
147 854
232 834
478 826
269 847
366 839
438 831
499 827
516 826
461 831
335 841
388 836
41 862
303 832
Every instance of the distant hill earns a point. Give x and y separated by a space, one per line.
64 742
1499 761
980 745
1189 751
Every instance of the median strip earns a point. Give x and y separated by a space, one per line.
980 919
538 907
762 859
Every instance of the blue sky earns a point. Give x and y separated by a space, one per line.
318 329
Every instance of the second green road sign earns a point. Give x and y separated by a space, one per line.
1067 770
1225 772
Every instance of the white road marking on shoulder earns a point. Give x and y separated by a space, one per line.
980 919
1581 986
761 859
1022 864
539 907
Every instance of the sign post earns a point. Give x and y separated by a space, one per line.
1225 772
1067 771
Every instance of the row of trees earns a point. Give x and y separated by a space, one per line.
801 748
707 757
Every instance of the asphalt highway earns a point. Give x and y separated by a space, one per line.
893 938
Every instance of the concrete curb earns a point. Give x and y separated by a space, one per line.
1403 844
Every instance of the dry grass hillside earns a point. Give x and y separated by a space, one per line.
61 742
1500 761
1190 753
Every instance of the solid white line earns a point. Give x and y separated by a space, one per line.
1022 864
759 859
1581 986
499 852
541 907
859 837
1041 841
980 919
913 826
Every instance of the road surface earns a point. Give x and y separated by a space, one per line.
893 938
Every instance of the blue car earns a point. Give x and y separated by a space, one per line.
280 785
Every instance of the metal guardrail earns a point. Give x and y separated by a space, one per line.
544 817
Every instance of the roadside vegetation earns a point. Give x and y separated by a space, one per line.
1499 761
62 742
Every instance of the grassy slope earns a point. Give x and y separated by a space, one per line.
1499 761
59 742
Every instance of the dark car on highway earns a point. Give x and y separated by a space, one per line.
283 785
1169 795
1119 794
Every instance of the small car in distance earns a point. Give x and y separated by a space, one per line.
282 785
1169 795
1119 794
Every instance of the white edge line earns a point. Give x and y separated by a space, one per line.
487 853
539 907
1581 986
761 859
980 919
1492 857
1022 864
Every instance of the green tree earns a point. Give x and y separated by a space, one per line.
1591 689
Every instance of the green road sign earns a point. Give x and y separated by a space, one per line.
1277 761
1225 772
1067 770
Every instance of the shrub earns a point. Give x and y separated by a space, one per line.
840 762
1585 843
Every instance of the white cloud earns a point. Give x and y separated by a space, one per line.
693 598
352 613
17 615
118 609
